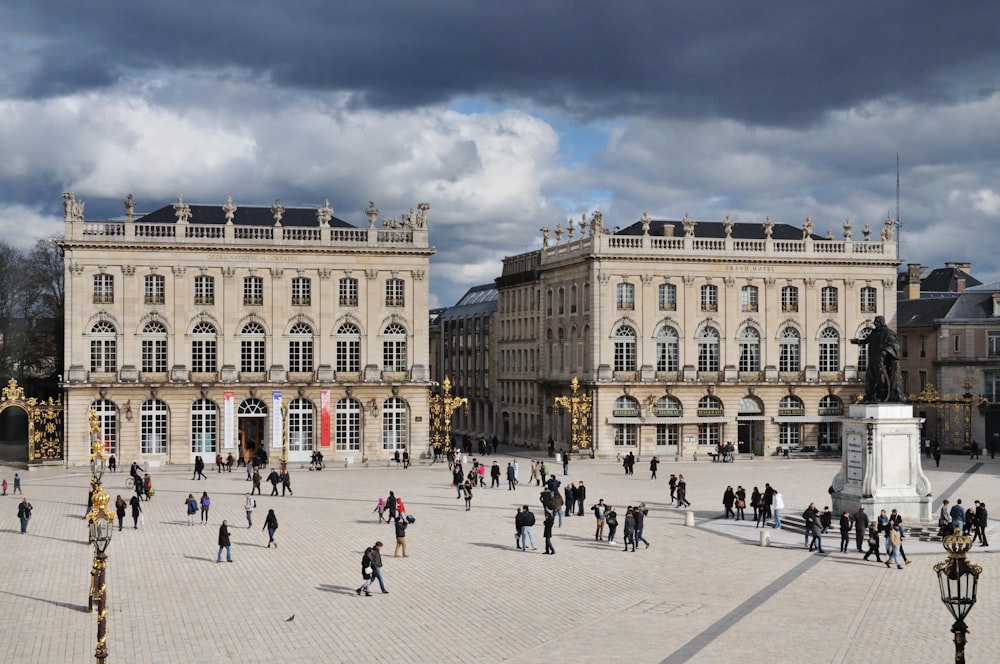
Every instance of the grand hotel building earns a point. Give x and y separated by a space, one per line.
688 333
197 329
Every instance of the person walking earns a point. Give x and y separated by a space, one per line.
456 480
639 514
494 475
629 529
533 476
271 525
401 525
467 492
274 478
147 486
120 506
958 515
112 464
937 455
380 509
192 508
845 531
778 505
366 563
24 513
682 492
581 495
249 504
286 483
728 500
860 521
511 478
565 461
547 533
673 487
390 506
894 542
224 543
377 566
741 503
873 542
525 521
256 481
809 516
611 518
816 529
944 520
206 502
199 469
136 511
982 520
557 501
653 465
4 487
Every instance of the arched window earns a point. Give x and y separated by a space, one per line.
204 426
749 344
667 349
668 406
863 350
154 347
626 406
107 419
301 424
829 350
791 405
708 349
709 406
394 348
394 421
831 405
300 348
153 427
625 356
626 433
253 347
103 347
789 350
204 350
348 347
348 425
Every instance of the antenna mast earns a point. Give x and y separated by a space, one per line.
899 224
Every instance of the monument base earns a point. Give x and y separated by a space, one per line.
881 464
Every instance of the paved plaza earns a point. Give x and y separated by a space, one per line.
708 593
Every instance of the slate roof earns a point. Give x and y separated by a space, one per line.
479 300
972 305
715 229
923 313
246 215
939 280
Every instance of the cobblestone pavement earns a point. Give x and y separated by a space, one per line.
708 593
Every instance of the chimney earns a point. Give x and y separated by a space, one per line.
913 271
961 270
668 229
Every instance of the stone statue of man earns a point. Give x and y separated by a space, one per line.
882 377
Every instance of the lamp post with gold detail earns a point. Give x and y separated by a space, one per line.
100 520
579 406
959 581
441 407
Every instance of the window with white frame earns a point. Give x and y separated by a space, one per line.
709 433
104 289
348 347
748 298
153 427
789 350
253 291
253 348
625 296
789 298
107 419
395 293
831 405
394 421
829 350
991 381
749 346
626 435
863 350
667 435
830 435
204 290
790 434
572 299
154 290
828 299
348 425
348 290
204 426
300 348
993 344
625 353
626 406
394 347
301 291
709 298
869 300
791 405
301 424
103 347
154 347
710 406
667 349
667 297
203 348
708 349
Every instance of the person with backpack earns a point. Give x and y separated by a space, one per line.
401 524
271 524
525 520
192 508
205 504
24 514
467 491
366 563
611 518
249 504
629 529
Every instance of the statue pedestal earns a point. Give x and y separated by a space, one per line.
881 467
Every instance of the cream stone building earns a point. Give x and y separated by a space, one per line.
690 333
201 329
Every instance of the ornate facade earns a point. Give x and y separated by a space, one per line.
691 333
199 329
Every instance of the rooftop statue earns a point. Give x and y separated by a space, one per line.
882 377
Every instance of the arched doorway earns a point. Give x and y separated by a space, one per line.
30 430
750 426
13 434
252 422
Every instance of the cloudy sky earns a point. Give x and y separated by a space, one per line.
510 116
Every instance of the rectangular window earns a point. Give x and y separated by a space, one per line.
993 344
153 428
904 377
626 435
154 355
625 296
104 289
869 300
789 299
252 355
923 346
253 291
668 297
300 427
395 293
103 355
393 355
348 289
904 345
155 289
204 290
748 298
828 298
203 355
992 379
300 355
667 435
203 428
922 375
790 434
709 298
709 434
348 355
956 343
348 427
301 291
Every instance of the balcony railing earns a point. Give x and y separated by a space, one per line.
202 300
104 298
348 300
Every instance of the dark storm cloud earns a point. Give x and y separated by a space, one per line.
758 62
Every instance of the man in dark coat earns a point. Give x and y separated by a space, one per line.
861 522
224 543
581 495
982 518
274 478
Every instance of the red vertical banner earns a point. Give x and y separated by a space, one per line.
324 419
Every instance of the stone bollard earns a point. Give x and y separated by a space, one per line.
689 518
765 538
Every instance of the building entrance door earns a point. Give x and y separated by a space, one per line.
252 440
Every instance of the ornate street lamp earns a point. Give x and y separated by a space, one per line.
100 522
959 580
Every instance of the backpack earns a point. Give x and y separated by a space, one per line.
612 519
